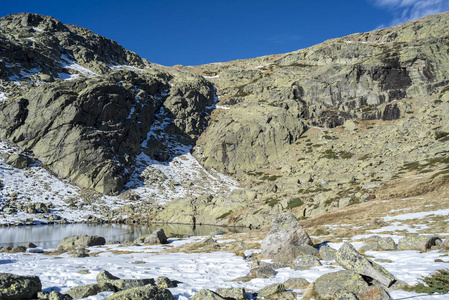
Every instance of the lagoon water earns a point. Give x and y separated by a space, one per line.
49 236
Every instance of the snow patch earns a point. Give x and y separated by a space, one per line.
3 97
418 215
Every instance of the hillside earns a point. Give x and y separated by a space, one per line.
353 121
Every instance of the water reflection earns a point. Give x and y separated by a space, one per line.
48 236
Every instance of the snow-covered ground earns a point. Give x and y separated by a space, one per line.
195 271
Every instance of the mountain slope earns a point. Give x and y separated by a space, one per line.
310 131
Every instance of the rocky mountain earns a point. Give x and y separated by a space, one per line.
309 131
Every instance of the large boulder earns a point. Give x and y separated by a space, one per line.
81 241
285 235
418 242
157 237
348 257
16 287
19 161
148 292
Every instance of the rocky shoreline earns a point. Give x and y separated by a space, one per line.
287 245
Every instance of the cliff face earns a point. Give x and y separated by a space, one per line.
83 105
355 77
309 130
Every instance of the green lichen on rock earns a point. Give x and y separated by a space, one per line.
150 292
16 287
232 293
271 290
207 295
331 284
352 260
417 242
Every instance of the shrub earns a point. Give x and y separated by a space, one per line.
437 282
295 202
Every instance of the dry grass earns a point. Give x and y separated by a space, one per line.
409 194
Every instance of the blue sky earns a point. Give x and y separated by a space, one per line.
196 32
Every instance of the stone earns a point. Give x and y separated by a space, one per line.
285 234
417 242
232 293
84 291
80 252
150 292
19 161
55 295
374 293
306 262
164 282
271 290
29 245
18 249
104 277
265 271
331 284
16 287
445 244
80 241
207 295
387 243
348 257
296 283
157 237
327 253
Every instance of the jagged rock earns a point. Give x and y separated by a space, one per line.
327 253
232 293
19 161
16 287
285 234
296 283
305 262
331 284
352 260
143 292
418 242
80 241
207 295
157 237
271 290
